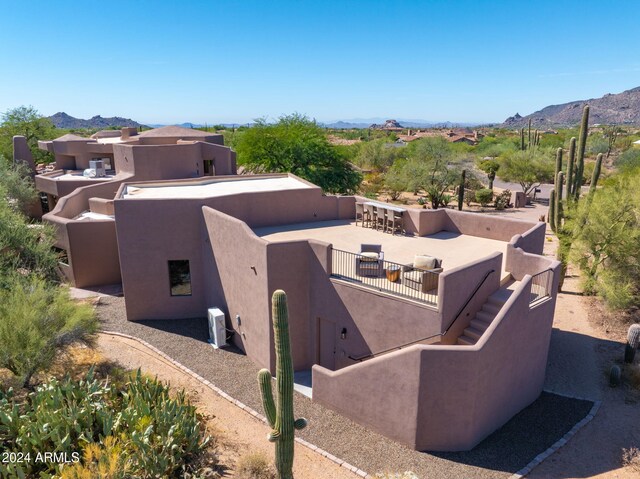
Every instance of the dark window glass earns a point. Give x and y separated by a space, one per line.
180 277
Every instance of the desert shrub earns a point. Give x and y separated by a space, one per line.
38 322
484 196
254 466
503 200
156 435
631 458
105 461
469 196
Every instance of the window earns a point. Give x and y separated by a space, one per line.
180 277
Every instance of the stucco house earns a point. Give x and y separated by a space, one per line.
435 367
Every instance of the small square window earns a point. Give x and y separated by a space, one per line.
180 277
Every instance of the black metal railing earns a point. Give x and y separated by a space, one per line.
386 276
541 285
438 335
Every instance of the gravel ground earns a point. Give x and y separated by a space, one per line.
503 453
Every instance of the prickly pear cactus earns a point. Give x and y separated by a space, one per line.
633 336
280 418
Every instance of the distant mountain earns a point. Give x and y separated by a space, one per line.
62 120
611 109
406 123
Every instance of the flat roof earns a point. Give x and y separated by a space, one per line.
211 188
76 175
454 249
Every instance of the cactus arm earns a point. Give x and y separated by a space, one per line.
264 378
596 174
300 423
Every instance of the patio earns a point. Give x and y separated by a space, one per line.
453 248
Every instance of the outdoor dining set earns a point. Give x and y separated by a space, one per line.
387 218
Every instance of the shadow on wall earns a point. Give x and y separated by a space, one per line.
529 433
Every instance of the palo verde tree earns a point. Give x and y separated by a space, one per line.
25 121
38 321
296 144
528 168
606 237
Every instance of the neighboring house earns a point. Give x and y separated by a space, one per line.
436 367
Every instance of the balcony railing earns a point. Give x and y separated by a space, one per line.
541 285
384 276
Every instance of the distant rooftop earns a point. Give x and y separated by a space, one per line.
211 188
175 131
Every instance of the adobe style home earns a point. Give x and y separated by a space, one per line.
431 327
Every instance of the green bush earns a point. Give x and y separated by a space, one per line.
156 434
37 322
503 200
484 196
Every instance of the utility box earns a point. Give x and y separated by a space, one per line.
217 329
97 166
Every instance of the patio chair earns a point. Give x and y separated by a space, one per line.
422 275
370 260
380 218
393 221
370 215
360 212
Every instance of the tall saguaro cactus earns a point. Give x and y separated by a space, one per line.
582 144
559 211
461 190
570 166
558 162
280 416
552 210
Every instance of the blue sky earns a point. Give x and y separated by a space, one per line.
222 61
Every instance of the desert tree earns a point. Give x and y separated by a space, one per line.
297 145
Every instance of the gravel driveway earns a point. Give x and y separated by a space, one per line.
503 453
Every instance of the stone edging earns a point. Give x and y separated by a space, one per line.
244 407
563 440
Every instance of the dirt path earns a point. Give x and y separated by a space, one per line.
237 432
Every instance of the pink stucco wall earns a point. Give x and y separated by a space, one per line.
448 397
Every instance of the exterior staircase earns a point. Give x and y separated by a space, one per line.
485 316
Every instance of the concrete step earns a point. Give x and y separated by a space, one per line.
484 316
473 333
491 308
466 341
479 324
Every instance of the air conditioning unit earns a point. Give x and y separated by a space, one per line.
217 329
98 167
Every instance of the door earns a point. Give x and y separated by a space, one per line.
326 351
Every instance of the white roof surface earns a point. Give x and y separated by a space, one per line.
90 215
212 188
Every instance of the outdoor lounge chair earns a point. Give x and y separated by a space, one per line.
422 274
370 260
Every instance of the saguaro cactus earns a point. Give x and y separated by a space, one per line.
522 147
570 166
633 342
461 190
558 162
559 211
582 144
552 210
280 418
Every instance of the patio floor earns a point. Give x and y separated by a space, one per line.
453 248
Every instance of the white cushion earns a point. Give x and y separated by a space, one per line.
424 262
369 256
